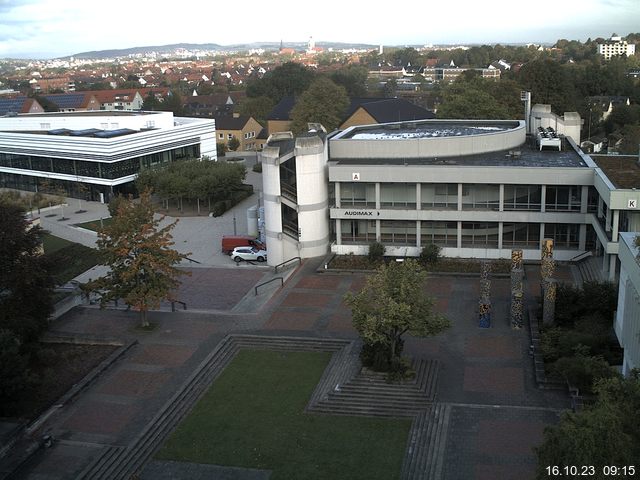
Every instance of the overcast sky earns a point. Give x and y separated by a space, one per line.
54 28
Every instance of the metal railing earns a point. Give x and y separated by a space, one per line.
275 269
581 256
267 282
173 305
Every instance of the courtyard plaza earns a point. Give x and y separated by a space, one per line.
496 413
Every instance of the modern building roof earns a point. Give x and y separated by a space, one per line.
399 131
622 170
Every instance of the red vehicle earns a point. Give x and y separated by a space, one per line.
229 242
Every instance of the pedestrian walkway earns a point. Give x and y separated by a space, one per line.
490 412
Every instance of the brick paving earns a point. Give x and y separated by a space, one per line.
497 412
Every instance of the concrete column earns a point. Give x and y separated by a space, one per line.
584 198
605 258
501 203
418 239
543 200
500 230
378 233
600 203
607 221
612 267
582 237
377 196
459 201
336 192
338 231
459 234
615 224
418 197
541 235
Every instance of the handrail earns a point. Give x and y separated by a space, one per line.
269 281
173 305
581 256
275 269
192 260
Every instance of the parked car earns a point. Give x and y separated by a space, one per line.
229 242
248 253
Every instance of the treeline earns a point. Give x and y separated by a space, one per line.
218 185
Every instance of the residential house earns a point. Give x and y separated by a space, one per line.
124 99
361 111
616 47
245 129
602 106
19 104
74 102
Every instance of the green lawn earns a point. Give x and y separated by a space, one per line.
253 416
95 224
68 259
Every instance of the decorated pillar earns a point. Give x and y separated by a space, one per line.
517 289
484 304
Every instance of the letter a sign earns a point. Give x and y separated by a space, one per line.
632 203
355 177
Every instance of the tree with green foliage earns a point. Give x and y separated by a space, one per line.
256 107
142 264
604 434
233 144
549 83
26 286
391 304
151 103
353 78
324 102
290 78
173 103
15 376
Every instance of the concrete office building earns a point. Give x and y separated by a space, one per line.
627 321
476 188
104 151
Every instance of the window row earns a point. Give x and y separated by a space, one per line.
444 196
85 168
445 234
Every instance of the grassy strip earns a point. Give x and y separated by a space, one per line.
68 259
253 416
95 225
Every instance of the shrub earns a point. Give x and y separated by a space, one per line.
257 167
574 303
430 254
581 370
114 204
376 252
15 376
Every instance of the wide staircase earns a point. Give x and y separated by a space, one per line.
344 389
590 270
369 393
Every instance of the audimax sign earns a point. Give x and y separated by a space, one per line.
360 213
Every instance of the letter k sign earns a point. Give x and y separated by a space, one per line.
632 203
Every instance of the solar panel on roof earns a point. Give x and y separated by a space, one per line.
67 100
59 131
113 133
84 133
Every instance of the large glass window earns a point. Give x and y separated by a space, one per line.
563 198
522 197
480 235
358 195
63 165
398 195
443 234
120 169
521 235
42 164
398 232
87 169
480 197
439 196
563 235
358 231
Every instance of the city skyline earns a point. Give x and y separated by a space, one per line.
44 29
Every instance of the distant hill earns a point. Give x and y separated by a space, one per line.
169 49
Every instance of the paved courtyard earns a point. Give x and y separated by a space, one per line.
497 412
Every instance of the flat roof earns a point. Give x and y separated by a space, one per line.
622 170
426 129
526 155
91 113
